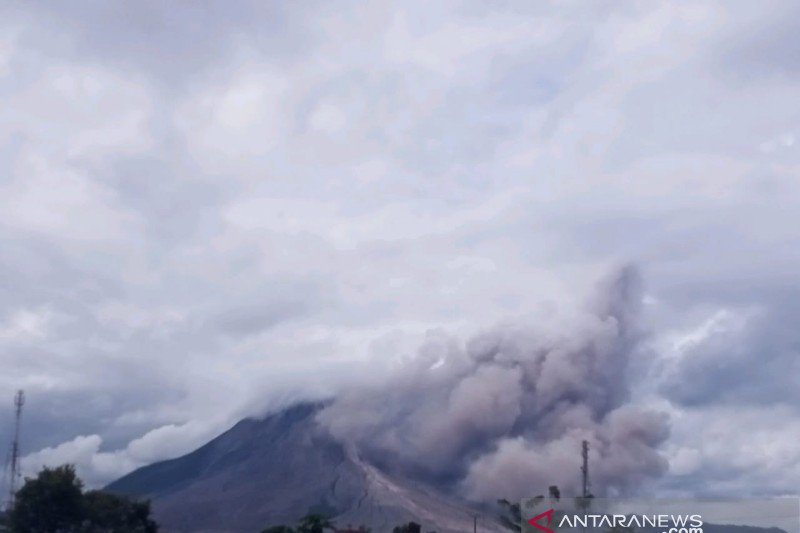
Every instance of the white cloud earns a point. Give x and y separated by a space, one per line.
25 324
241 116
734 450
97 465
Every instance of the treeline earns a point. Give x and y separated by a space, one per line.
315 523
55 502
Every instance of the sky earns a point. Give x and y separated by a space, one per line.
210 210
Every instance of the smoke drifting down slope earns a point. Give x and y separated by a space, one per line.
504 415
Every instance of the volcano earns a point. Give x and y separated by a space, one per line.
278 469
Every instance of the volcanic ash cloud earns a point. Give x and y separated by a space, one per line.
504 415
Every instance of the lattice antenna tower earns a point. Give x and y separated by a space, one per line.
19 401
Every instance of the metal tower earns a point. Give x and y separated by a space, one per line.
585 469
19 401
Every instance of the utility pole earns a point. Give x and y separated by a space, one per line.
585 468
19 401
475 523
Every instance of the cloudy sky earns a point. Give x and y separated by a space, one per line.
210 209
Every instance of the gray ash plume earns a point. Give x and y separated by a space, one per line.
504 415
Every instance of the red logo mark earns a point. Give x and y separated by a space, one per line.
534 521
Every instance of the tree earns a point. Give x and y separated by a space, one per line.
314 523
106 512
411 527
511 515
52 502
511 518
311 523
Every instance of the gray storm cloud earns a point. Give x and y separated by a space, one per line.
504 415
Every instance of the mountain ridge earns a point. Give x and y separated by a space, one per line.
277 469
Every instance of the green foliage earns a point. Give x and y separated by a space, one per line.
314 523
51 502
411 527
54 501
110 513
278 529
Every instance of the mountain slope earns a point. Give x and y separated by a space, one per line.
275 470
